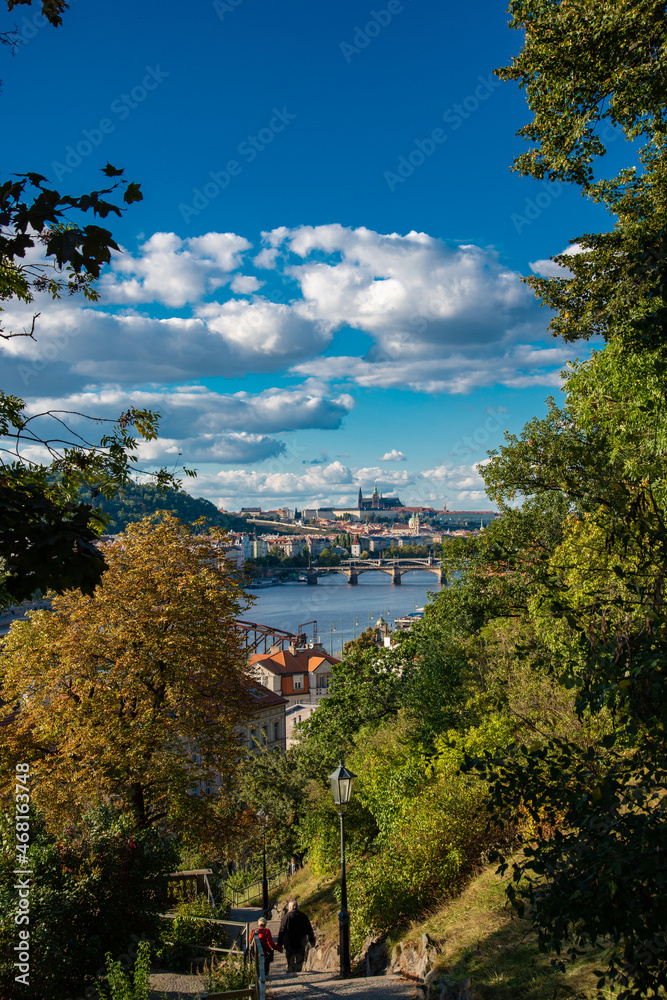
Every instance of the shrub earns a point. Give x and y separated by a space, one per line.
121 986
95 889
191 928
430 842
230 973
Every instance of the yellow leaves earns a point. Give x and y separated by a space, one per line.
113 685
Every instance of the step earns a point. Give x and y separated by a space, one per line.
300 987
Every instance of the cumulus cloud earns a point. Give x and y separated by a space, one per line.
519 367
199 425
173 271
441 317
392 456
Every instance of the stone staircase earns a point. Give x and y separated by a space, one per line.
323 985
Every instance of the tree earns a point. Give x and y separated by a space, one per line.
594 876
97 888
131 695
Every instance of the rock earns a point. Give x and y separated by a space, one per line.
443 988
323 957
413 960
372 960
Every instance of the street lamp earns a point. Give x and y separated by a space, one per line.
263 818
341 786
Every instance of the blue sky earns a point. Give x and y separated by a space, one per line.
322 286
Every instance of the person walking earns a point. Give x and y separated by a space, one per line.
267 944
295 934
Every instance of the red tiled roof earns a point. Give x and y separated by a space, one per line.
263 698
303 661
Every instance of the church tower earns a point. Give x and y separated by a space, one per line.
361 500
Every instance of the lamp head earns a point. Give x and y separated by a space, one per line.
341 786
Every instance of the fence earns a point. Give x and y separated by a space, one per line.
243 897
186 884
257 991
240 944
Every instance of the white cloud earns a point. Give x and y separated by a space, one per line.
550 269
442 318
392 456
173 271
204 426
244 284
520 366
337 485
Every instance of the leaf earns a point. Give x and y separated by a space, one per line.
132 193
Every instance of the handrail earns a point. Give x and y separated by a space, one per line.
214 920
245 895
260 968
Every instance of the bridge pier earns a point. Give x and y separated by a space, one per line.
352 578
442 578
311 579
396 578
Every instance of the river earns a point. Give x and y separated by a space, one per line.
341 611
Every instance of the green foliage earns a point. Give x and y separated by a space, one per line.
229 973
327 558
431 819
134 502
96 888
275 782
191 926
126 986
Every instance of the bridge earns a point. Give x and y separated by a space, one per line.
353 568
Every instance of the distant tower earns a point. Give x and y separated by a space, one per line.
481 524
375 499
360 504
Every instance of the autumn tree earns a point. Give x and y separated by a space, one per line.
131 695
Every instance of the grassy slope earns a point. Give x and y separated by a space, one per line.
316 898
479 936
482 939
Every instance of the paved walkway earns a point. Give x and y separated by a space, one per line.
302 986
324 985
373 988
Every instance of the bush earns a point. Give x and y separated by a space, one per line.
121 986
431 834
230 973
95 889
190 928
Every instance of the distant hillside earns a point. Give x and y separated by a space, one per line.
134 502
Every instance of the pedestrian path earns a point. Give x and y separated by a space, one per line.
322 985
374 988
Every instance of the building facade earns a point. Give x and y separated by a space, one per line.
299 675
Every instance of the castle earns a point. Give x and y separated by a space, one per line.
377 502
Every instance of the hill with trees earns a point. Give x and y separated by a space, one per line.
133 502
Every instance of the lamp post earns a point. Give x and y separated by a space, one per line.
263 818
341 786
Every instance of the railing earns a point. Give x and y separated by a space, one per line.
257 990
186 884
242 938
241 897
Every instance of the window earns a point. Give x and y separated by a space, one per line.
297 682
276 731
